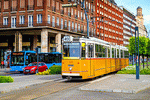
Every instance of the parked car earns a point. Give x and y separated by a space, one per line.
32 68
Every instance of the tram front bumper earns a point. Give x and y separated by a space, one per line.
71 76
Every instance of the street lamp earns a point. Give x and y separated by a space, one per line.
137 66
36 49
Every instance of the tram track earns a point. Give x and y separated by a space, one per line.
40 90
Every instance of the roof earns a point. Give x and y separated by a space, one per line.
139 7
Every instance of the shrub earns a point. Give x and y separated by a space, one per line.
52 70
55 69
6 79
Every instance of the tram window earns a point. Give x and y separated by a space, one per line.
90 51
126 54
117 53
108 53
113 53
121 53
100 51
71 50
83 50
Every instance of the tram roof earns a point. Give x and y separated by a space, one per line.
93 39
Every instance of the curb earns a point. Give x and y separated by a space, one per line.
23 87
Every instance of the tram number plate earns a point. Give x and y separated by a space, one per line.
27 70
70 65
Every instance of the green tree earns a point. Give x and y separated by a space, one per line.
142 46
148 50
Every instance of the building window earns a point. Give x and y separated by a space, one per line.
69 25
73 25
48 3
6 4
78 14
61 23
48 19
53 21
71 11
13 21
65 24
30 4
57 5
30 20
14 5
22 3
39 18
39 2
21 19
5 21
57 21
78 27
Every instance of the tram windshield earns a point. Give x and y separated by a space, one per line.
71 49
17 60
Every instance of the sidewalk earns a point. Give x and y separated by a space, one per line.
124 83
4 71
21 82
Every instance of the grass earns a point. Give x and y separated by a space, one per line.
132 70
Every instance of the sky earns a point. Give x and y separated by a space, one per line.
132 5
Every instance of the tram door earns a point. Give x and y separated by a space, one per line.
90 56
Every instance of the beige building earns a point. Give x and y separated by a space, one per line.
140 22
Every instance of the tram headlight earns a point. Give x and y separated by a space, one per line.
70 68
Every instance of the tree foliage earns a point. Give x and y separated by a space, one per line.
143 41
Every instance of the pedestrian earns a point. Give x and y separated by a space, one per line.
2 64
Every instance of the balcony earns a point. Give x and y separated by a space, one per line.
30 7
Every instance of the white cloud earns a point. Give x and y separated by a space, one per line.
147 19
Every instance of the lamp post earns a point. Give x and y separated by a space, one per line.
36 49
137 65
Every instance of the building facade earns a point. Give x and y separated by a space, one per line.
109 21
140 23
129 23
27 24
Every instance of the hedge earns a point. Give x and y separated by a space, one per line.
55 69
6 79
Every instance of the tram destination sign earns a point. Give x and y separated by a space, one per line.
67 38
17 53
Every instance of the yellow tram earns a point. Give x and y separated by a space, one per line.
91 57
